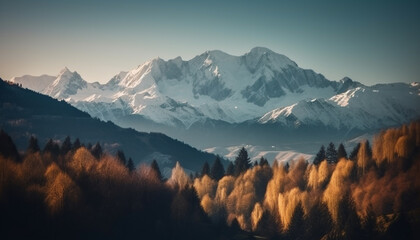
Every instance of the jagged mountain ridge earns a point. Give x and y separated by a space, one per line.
361 107
216 90
212 85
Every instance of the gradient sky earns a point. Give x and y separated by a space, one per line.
369 41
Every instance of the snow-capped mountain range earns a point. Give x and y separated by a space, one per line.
260 87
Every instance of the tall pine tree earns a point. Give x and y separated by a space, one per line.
230 170
121 157
296 228
354 152
242 162
130 165
66 146
76 144
33 145
217 171
318 221
52 148
331 153
156 168
320 156
7 147
348 221
341 152
97 151
205 170
263 162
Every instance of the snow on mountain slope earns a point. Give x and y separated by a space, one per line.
66 84
35 83
218 86
316 111
255 153
362 108
213 85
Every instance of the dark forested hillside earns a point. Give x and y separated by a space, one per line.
71 194
24 113
67 191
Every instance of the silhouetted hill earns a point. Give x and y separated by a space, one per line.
24 113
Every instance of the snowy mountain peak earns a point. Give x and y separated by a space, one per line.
64 71
217 54
66 84
157 60
115 80
259 50
66 75
358 108
214 85
346 79
261 56
347 83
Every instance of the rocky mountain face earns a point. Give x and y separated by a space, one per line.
258 90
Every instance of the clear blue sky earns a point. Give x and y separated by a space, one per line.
369 41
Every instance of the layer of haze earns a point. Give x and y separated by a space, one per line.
369 41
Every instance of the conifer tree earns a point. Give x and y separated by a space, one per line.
155 167
297 224
205 170
7 146
348 221
217 171
66 146
52 147
242 162
263 162
318 221
268 226
331 153
341 152
320 156
97 151
368 149
354 152
130 165
121 157
76 144
230 169
33 145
